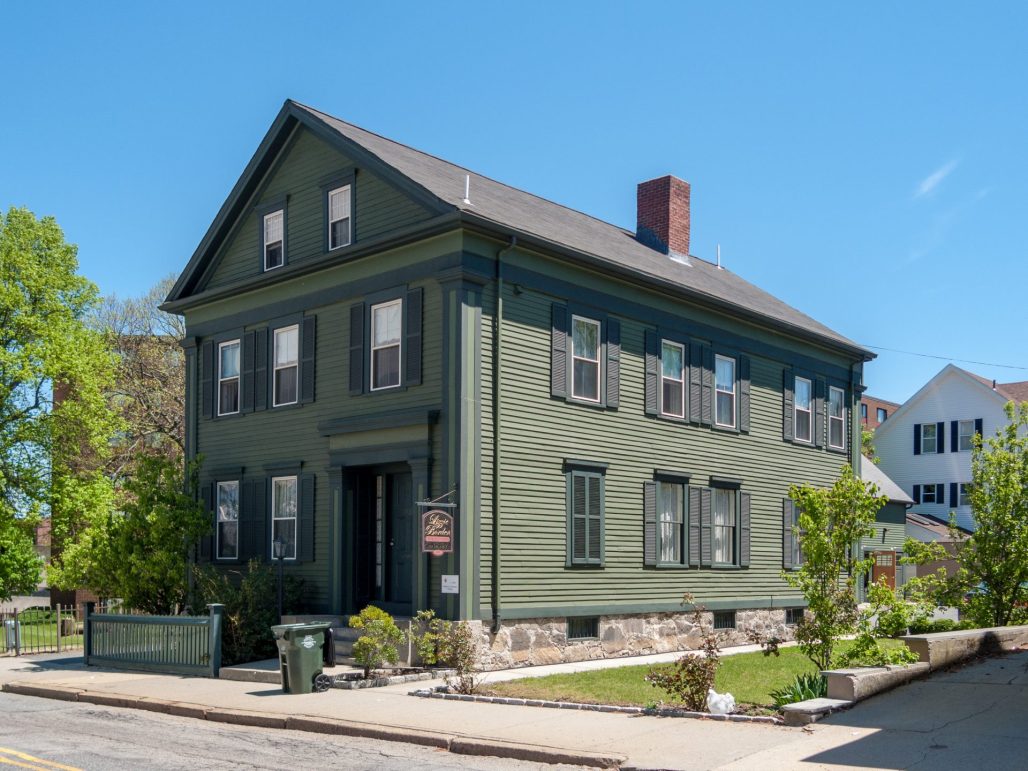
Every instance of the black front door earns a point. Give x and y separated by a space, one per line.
384 540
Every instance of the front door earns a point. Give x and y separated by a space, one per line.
384 541
884 567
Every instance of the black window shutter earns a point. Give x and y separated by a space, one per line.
744 530
917 494
940 437
917 439
978 427
788 518
954 436
695 383
788 384
819 414
595 511
744 394
706 540
357 348
246 373
207 541
695 504
306 524
245 536
707 409
308 350
260 369
413 336
954 494
261 537
651 342
207 378
613 363
559 350
649 523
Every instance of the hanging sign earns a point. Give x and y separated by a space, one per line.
437 532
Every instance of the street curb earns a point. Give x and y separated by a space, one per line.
460 745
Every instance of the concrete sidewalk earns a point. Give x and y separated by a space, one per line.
889 731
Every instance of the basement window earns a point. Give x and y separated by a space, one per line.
584 628
724 619
793 616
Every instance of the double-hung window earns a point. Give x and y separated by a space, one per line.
386 324
929 438
283 514
930 494
339 219
585 356
724 526
965 435
863 412
228 377
882 414
803 410
227 533
965 494
670 522
286 361
724 386
274 239
672 363
836 418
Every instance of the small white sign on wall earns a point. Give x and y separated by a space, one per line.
451 585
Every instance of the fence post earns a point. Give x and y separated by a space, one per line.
58 627
217 612
17 633
87 632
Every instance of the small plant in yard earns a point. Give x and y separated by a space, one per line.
458 649
425 635
866 650
769 644
691 677
378 644
810 685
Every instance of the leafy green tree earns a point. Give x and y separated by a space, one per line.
55 372
831 522
19 563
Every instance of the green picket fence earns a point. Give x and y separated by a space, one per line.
186 645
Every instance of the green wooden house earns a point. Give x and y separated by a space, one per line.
377 335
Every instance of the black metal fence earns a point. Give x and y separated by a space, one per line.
44 629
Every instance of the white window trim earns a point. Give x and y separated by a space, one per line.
796 411
221 379
349 230
935 492
264 239
295 517
841 418
398 345
596 361
680 379
935 428
679 526
963 493
217 522
881 414
961 435
733 498
275 366
718 390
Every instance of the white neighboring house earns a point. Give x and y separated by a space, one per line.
925 445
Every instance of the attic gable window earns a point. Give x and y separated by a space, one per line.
339 206
274 239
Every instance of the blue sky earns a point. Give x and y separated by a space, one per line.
864 163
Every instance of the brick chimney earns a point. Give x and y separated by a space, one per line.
662 215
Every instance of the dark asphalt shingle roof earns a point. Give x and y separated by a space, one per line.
515 209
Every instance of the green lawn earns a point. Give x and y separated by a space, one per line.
39 633
750 677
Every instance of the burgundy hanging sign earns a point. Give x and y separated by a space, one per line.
437 532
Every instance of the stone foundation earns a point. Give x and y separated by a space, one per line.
533 641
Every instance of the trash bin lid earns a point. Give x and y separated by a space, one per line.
292 631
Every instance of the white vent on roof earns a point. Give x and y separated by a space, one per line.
467 189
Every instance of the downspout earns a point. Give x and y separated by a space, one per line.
497 353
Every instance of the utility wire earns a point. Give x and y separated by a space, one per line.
945 358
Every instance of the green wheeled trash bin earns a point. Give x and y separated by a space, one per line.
299 654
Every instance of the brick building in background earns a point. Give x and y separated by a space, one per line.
875 411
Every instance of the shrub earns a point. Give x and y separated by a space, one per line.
689 678
378 644
810 685
883 605
438 641
251 607
940 625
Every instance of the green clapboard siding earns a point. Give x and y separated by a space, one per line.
306 162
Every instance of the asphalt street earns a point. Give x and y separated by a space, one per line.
48 735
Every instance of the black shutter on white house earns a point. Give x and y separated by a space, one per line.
357 348
954 494
916 494
613 374
559 350
207 379
308 350
954 436
652 385
917 439
940 437
978 427
412 336
649 523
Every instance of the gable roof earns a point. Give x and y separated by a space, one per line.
499 207
869 472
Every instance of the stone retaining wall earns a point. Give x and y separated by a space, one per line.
534 641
